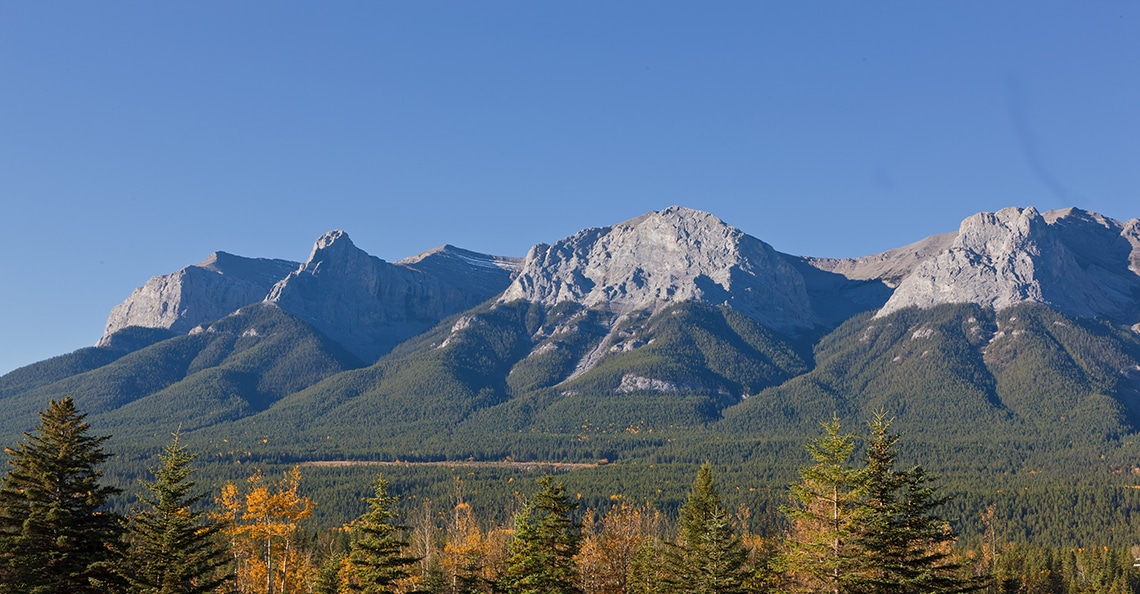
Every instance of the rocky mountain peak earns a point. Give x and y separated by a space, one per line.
197 294
663 257
335 248
332 241
369 305
1077 262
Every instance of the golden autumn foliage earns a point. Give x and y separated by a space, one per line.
261 523
472 559
611 543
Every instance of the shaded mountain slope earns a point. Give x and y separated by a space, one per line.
236 366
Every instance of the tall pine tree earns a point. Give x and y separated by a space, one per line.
376 558
55 535
546 541
821 552
172 548
707 558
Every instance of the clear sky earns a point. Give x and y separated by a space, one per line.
138 137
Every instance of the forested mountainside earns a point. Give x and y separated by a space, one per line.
1008 354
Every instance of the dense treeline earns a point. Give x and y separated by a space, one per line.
855 521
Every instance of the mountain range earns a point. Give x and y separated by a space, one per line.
1011 344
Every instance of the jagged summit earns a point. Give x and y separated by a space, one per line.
664 257
335 242
1077 262
370 305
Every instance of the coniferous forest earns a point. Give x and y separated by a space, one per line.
855 520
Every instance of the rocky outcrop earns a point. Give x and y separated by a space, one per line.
1076 262
197 294
369 305
661 258
1131 232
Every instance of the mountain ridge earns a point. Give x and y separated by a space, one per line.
451 354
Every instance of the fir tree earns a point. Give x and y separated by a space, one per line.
707 558
54 534
171 547
376 560
546 541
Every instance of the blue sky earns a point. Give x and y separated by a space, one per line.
138 137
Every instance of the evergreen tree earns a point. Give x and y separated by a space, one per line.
546 541
54 535
707 558
328 575
376 560
173 549
646 572
821 552
906 546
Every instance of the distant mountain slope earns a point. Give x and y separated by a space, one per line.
890 266
957 371
236 366
83 360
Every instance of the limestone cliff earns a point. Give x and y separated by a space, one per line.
1077 262
197 294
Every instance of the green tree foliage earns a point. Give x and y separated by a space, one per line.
172 548
54 532
1031 569
707 558
376 559
821 552
546 541
906 548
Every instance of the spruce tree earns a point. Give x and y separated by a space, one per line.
546 541
707 558
905 545
55 535
376 556
172 548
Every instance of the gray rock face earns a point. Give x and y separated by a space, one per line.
1077 262
660 258
370 305
197 294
